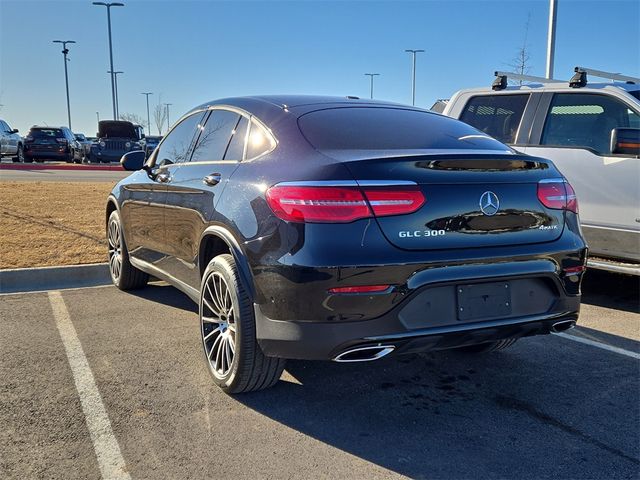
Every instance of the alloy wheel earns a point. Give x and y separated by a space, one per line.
115 250
218 324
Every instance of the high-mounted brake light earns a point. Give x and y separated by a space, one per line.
557 194
331 204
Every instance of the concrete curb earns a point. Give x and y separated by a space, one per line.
18 280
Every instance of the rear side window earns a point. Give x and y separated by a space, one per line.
260 141
496 115
214 139
586 120
375 128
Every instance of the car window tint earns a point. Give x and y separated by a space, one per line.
585 120
377 128
236 146
496 115
43 133
175 147
260 141
214 137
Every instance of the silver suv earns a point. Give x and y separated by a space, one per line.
11 144
591 131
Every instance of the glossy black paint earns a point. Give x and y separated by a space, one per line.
175 218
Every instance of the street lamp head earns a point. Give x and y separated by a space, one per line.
108 5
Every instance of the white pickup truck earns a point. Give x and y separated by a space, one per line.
591 131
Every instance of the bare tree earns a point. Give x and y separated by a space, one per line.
133 118
520 63
159 115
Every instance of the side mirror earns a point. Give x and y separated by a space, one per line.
15 130
133 161
625 141
142 136
97 134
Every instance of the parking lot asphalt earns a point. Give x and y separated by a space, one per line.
547 407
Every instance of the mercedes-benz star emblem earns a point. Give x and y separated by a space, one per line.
489 203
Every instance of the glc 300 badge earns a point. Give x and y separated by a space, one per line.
489 203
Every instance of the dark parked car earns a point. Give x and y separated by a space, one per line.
149 143
82 148
115 138
344 229
11 143
49 143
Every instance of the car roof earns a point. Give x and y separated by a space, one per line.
270 107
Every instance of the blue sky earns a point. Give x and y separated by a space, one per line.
193 51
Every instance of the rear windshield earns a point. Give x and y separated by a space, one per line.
46 133
375 128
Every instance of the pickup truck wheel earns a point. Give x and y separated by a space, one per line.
124 275
19 155
489 346
228 330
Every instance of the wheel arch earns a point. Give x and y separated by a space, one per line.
112 205
216 240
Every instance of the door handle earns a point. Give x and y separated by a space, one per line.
212 179
163 177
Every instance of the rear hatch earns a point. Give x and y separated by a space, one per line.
470 200
45 136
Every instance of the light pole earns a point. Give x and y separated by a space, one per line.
146 94
413 82
113 83
371 75
65 50
551 37
115 76
168 122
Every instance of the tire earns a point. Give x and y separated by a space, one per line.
19 155
123 275
489 346
228 332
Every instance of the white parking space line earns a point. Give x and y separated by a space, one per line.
105 445
603 346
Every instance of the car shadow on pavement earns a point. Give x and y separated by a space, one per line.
161 292
611 290
523 413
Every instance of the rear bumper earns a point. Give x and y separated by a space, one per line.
52 154
423 313
321 341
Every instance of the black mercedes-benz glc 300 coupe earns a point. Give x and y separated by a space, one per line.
347 230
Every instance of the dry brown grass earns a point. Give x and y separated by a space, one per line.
52 223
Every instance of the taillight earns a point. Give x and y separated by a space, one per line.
28 138
62 141
385 202
557 194
341 204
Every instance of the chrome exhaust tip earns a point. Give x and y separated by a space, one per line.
563 326
364 354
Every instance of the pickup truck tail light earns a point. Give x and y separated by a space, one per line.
319 204
557 194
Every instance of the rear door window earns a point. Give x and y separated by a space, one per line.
215 136
586 120
236 145
496 115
